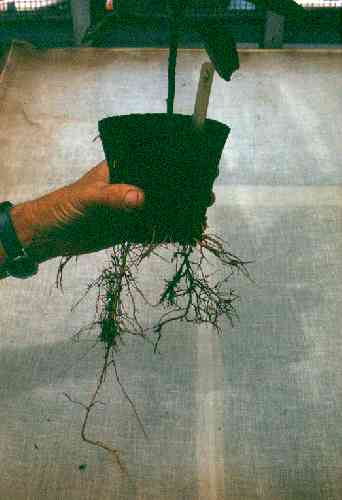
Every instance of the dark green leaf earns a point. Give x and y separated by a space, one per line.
221 48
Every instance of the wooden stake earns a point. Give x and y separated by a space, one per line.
203 94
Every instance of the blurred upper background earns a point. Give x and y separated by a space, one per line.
63 23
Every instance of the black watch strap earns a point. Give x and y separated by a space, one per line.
8 237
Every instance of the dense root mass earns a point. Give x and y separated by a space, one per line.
190 295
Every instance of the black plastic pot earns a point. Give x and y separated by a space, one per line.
174 163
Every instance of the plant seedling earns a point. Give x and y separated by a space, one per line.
174 159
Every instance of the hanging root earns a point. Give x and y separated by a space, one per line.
202 301
112 451
189 295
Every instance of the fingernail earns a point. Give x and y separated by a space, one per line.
132 199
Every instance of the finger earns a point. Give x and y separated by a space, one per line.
98 173
121 196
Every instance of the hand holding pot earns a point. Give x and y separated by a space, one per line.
76 219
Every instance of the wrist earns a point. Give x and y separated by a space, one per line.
36 226
29 232
23 230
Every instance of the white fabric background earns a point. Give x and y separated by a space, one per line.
253 414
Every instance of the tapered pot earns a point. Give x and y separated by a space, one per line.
175 164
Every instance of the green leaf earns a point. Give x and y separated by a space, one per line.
221 48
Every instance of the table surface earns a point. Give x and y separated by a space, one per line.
255 413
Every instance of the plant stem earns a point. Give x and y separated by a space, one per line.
172 59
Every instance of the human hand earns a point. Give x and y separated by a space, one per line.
76 219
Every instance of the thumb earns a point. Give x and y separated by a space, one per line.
122 196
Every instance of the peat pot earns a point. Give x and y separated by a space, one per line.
175 164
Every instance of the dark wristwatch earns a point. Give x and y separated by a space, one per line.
17 261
